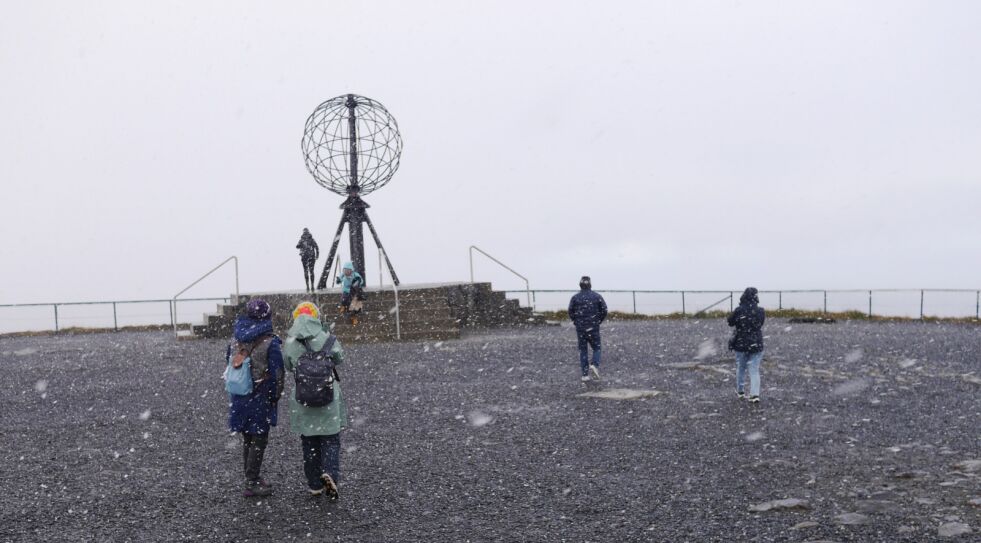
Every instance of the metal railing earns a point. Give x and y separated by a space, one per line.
966 298
503 265
114 304
395 289
213 270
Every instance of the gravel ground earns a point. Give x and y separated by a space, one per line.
121 437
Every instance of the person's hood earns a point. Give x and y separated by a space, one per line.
306 327
750 297
248 329
348 266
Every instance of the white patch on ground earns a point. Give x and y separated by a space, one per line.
907 363
145 415
621 394
24 352
851 387
41 385
706 349
478 419
854 356
755 436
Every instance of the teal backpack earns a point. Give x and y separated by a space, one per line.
238 373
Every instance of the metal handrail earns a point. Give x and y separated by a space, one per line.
213 270
501 264
395 289
702 311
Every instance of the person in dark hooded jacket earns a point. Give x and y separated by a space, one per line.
587 310
253 414
747 342
309 253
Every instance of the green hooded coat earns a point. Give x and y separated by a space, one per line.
313 421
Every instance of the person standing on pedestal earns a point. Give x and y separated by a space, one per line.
309 253
587 310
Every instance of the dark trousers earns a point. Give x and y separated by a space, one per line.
321 454
588 338
253 450
308 263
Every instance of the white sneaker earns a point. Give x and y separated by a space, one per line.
595 371
585 379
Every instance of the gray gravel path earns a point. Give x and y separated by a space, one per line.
121 437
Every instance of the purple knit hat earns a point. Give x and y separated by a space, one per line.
258 309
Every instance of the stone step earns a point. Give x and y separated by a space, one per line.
425 312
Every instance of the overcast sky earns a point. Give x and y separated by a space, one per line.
656 145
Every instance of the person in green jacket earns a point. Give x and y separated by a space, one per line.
319 427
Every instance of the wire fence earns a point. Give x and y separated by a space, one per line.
113 314
911 303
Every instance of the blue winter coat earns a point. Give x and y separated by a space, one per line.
587 310
347 281
256 412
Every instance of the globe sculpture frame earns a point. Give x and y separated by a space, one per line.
352 147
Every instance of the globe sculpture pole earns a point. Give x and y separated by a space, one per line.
352 146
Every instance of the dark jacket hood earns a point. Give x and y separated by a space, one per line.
750 297
248 329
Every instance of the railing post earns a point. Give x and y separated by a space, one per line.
56 316
921 305
115 322
634 293
170 306
682 303
732 295
977 305
534 301
780 299
870 304
825 301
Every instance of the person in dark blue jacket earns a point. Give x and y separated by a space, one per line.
253 414
747 342
587 310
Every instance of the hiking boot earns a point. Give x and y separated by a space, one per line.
585 379
254 489
329 486
595 371
754 399
354 321
740 394
315 492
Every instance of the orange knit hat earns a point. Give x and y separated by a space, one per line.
306 308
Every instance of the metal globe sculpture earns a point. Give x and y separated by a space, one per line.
352 146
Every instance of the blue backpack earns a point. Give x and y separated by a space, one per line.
238 373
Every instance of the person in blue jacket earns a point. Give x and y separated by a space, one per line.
352 285
587 310
747 342
253 414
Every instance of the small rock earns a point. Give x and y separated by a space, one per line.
971 378
968 466
803 525
976 502
877 506
953 529
780 505
912 474
905 529
851 519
